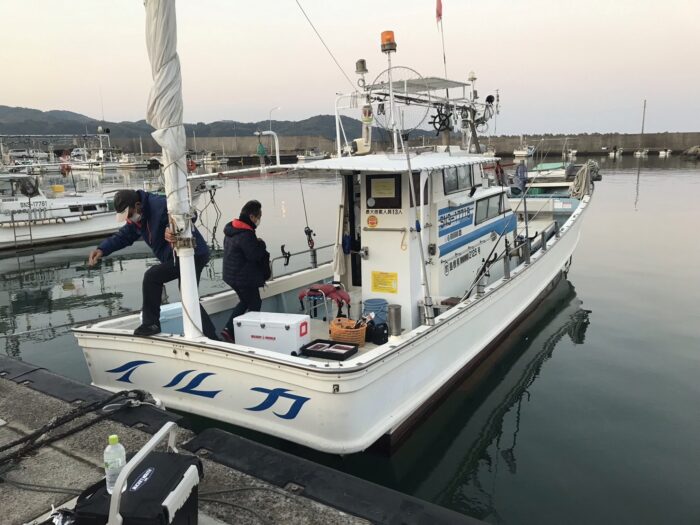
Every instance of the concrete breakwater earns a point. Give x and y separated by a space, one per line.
505 144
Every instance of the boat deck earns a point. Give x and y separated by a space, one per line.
319 326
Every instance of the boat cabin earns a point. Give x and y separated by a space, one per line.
455 217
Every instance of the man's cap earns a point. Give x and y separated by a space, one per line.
123 200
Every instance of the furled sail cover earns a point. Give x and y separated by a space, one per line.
165 106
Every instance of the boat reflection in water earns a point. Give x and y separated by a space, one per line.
45 291
455 458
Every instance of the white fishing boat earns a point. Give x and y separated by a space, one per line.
312 155
664 153
616 153
641 153
129 161
553 170
426 234
210 159
28 217
524 151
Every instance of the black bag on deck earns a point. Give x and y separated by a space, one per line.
380 334
157 493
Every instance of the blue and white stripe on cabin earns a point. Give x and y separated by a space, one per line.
504 224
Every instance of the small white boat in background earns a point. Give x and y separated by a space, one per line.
524 151
128 161
641 153
28 217
210 159
312 155
571 154
615 153
664 153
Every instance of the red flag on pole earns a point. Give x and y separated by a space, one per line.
438 11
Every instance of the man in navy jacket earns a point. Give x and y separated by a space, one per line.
146 216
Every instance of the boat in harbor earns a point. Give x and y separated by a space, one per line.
312 155
524 151
424 233
665 153
29 217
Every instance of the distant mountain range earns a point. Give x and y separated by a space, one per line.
28 121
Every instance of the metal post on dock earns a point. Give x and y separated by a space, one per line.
506 263
526 251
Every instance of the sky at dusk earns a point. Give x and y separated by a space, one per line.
560 65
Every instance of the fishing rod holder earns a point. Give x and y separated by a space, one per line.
286 256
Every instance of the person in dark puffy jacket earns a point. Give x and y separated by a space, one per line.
246 262
146 216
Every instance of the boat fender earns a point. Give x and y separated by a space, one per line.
347 244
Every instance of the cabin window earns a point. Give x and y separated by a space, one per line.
457 179
88 207
489 208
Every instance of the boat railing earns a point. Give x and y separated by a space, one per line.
525 248
286 257
36 216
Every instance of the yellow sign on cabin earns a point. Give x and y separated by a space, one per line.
385 282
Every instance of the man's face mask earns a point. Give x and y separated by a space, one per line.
136 215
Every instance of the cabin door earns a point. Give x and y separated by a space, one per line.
352 185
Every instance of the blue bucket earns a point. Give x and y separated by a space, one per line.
379 307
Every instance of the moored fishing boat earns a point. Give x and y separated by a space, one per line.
524 151
421 232
29 217
312 155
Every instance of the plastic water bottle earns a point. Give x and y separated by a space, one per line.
115 459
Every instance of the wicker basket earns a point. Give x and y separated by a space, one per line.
342 330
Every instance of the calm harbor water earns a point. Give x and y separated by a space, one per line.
587 413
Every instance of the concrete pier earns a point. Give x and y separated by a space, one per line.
584 143
251 483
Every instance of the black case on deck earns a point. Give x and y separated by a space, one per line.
326 349
156 481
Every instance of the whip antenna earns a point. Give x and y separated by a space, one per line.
325 45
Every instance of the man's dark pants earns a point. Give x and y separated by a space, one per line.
153 281
249 301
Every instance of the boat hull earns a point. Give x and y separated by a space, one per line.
333 409
49 231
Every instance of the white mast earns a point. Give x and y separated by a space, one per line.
165 114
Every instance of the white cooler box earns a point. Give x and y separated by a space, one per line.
284 333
